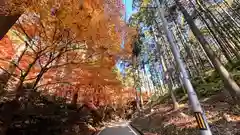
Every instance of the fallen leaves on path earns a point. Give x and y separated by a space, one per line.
165 121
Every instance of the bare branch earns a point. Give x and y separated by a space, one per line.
30 46
39 61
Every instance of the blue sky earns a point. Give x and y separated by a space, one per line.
128 5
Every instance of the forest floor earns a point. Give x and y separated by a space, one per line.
52 116
37 114
223 118
44 116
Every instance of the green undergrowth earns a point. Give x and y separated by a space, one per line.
212 82
205 86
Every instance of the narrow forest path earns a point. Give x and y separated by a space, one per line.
121 128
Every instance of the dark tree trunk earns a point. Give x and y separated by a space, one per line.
74 99
6 22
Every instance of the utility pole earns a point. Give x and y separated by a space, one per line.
195 104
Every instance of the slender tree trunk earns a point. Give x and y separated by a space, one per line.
219 42
134 61
160 56
181 83
186 81
224 33
194 53
170 87
140 91
191 74
39 76
160 85
231 85
225 44
231 9
187 49
230 19
209 61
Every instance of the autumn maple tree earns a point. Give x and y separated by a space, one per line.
70 48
